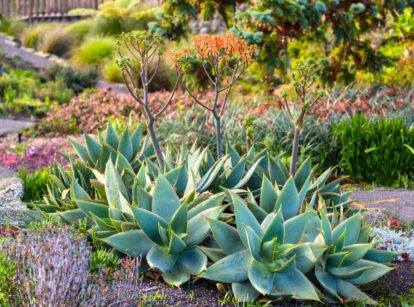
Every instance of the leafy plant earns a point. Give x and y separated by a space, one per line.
94 51
220 56
35 184
145 49
366 143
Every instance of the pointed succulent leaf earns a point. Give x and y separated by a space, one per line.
125 146
381 256
176 245
227 237
352 293
248 174
288 199
307 255
235 175
352 226
276 229
214 254
261 277
91 207
111 137
159 258
254 243
296 284
209 203
81 151
233 268
136 140
244 292
327 281
198 227
192 261
356 252
376 271
93 148
78 192
303 173
244 217
165 201
295 228
179 220
149 222
132 243
268 196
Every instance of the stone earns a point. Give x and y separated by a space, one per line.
12 209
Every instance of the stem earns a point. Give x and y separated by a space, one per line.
295 150
155 143
217 122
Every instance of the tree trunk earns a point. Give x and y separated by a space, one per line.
155 143
217 122
295 151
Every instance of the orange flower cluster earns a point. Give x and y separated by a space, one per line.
225 46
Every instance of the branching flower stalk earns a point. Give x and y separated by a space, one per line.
144 50
223 59
304 78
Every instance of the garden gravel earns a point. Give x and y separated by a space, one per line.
398 201
11 206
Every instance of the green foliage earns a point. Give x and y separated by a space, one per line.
94 51
80 29
35 184
403 25
7 270
77 80
101 260
32 36
374 150
11 26
57 41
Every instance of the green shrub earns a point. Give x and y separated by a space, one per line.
80 29
103 259
111 72
32 36
57 41
372 150
94 51
7 270
35 184
11 26
82 11
77 80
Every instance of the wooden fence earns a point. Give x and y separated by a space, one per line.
38 9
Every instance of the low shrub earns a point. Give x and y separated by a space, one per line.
373 150
80 29
51 267
94 51
57 41
11 26
36 156
77 80
32 36
111 72
35 184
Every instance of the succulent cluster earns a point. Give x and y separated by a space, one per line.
239 220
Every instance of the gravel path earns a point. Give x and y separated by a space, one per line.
11 50
398 201
10 125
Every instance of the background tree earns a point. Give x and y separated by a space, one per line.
144 50
223 59
340 27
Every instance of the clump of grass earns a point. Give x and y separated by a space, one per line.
111 72
11 26
32 36
80 29
95 51
57 41
35 184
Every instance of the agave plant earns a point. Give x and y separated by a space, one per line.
163 228
350 260
264 258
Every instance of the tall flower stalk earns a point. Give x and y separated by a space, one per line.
144 51
223 58
304 78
